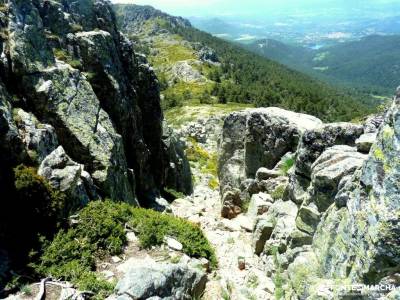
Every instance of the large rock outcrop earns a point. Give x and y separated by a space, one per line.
334 217
82 86
357 240
258 138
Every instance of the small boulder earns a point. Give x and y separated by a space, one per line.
365 142
262 232
264 174
172 281
307 219
68 176
173 244
231 204
39 139
259 204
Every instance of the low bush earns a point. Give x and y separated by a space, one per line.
100 231
37 203
152 227
287 165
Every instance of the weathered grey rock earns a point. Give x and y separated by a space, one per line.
67 176
29 51
315 142
128 91
283 214
231 165
327 171
262 232
365 142
264 174
271 133
257 138
259 204
166 281
271 185
67 100
357 241
373 123
173 244
299 238
312 144
208 55
39 139
183 71
308 219
178 174
125 88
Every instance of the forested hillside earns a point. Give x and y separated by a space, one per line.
237 75
369 65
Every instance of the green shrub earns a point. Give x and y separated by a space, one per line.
213 183
99 231
207 162
287 165
153 227
64 56
37 202
175 194
102 223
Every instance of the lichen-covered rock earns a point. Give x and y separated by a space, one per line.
39 139
81 76
283 215
271 133
162 281
358 241
183 71
365 142
67 176
312 144
259 204
231 165
178 174
262 232
264 174
28 47
258 138
64 98
327 171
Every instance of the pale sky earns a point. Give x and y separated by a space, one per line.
256 7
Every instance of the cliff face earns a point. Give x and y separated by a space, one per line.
66 64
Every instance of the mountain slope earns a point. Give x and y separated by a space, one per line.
368 64
371 61
230 74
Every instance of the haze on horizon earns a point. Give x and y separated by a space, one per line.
264 8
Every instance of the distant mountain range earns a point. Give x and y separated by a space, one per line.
371 62
310 31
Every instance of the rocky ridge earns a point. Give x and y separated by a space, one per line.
316 211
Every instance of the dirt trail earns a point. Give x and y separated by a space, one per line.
231 239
